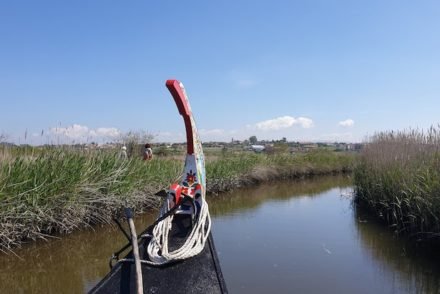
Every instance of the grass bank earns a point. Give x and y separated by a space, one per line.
243 169
398 179
46 191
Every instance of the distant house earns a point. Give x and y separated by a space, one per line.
340 147
258 148
309 146
354 147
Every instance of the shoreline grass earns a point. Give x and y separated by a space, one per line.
398 180
238 170
57 190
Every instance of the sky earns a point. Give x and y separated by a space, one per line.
81 71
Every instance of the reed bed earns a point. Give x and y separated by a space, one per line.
57 191
398 179
238 170
50 191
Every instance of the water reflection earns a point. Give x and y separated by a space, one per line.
73 264
250 198
407 268
304 237
295 237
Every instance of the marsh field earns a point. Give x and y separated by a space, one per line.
46 191
51 190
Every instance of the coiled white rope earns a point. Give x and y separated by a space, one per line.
158 250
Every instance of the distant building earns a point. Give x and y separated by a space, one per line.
258 148
309 146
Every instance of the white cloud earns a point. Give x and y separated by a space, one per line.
74 131
211 132
346 123
78 132
108 132
284 122
304 122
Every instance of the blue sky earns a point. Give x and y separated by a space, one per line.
304 70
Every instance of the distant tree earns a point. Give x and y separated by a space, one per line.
253 140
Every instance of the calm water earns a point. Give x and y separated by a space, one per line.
297 237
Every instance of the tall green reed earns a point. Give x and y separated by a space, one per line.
58 190
398 178
47 190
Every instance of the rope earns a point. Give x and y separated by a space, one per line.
158 250
144 234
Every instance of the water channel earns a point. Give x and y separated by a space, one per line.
287 237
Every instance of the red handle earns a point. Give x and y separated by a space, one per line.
184 109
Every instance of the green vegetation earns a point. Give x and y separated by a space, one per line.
398 179
242 169
49 190
46 191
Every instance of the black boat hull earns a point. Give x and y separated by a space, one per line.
198 274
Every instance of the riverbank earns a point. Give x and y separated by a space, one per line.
398 180
55 191
271 230
242 170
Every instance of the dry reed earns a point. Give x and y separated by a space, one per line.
398 178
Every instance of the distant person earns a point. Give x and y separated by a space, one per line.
123 154
148 152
